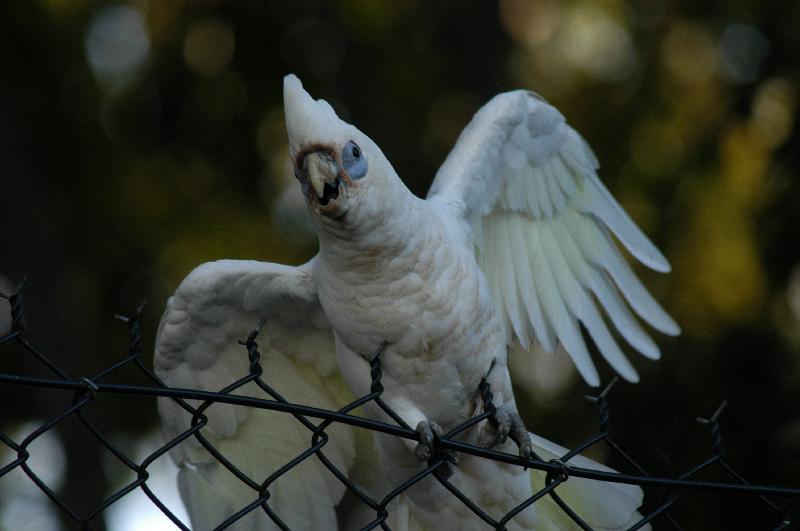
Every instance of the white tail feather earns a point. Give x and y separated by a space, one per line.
603 505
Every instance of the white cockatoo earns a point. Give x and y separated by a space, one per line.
512 245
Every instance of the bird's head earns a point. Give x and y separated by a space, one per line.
341 171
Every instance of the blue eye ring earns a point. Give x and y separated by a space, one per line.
353 161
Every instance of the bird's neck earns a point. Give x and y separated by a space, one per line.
379 241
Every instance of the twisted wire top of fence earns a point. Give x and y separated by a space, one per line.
663 492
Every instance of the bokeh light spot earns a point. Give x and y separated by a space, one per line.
530 22
117 46
688 53
742 52
594 42
772 116
209 47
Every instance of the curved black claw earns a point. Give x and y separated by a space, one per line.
429 447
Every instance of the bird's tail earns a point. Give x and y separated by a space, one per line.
603 505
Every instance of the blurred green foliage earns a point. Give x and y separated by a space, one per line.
139 139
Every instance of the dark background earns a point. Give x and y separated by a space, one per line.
140 139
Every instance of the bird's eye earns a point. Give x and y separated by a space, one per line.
353 161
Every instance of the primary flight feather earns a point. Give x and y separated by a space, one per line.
514 243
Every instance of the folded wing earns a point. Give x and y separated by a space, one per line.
197 347
541 222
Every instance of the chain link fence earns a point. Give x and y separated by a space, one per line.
662 493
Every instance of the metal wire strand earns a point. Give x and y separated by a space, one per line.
663 492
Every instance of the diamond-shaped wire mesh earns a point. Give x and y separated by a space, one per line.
663 492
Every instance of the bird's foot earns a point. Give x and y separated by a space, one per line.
506 423
429 447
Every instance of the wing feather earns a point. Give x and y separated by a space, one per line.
564 176
622 318
541 194
605 207
522 265
607 295
556 195
197 347
581 306
510 293
534 174
597 240
542 221
564 324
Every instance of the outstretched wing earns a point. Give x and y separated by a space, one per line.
541 222
197 347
